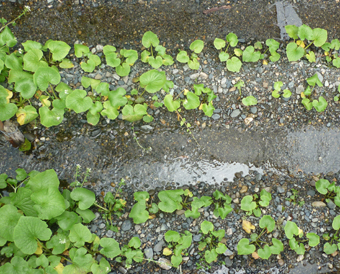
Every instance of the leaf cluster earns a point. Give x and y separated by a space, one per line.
252 203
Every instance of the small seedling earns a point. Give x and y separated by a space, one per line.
252 203
222 204
177 244
321 104
211 242
333 243
239 85
293 198
294 234
330 190
264 250
193 63
277 91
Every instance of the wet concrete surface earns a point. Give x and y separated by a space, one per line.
173 21
175 158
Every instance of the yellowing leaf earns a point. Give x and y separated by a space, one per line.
255 255
300 43
153 216
39 249
21 118
300 232
167 251
185 91
265 62
247 226
59 268
9 96
303 95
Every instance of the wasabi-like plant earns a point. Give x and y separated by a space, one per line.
252 203
294 234
319 105
177 244
150 41
333 243
277 91
249 101
334 56
183 57
233 63
222 204
259 245
297 49
211 242
330 190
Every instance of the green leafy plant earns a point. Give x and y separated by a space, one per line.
294 198
150 41
336 98
252 203
239 85
131 252
330 190
319 105
113 205
177 244
294 234
333 243
249 101
297 49
123 61
183 57
196 204
264 249
233 63
222 204
277 91
333 57
138 213
211 242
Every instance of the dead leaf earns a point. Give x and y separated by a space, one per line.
167 251
255 255
247 226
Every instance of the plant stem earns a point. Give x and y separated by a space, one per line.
55 96
23 13
103 208
135 138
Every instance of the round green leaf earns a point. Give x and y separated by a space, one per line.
80 50
221 248
277 246
276 93
138 213
272 44
17 266
320 105
268 222
153 80
123 69
305 32
134 242
250 55
86 214
336 62
232 39
247 203
78 102
66 64
182 57
135 113
26 87
292 31
192 101
110 247
208 109
314 80
264 253
320 36
112 60
44 76
67 220
274 57
117 98
59 50
244 248
130 55
172 236
109 49
49 118
29 44
8 110
291 229
287 93
155 62
207 226
194 64
85 197
307 103
170 200
197 46
7 38
322 185
294 52
149 38
170 103
49 203
330 249
249 101
32 60
27 231
223 56
234 64
219 43
79 234
9 217
336 223
314 239
210 256
109 111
